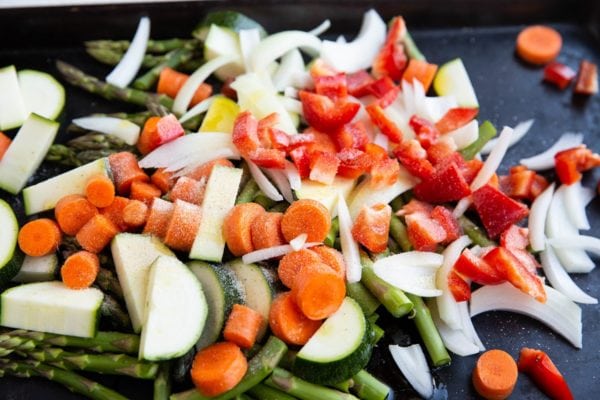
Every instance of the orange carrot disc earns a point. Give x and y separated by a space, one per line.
39 237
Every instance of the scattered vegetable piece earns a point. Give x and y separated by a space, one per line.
242 326
572 162
100 191
170 81
587 78
183 225
135 213
306 216
495 375
80 270
96 233
372 227
4 143
318 290
291 263
237 227
114 212
125 171
266 230
218 368
538 44
72 212
538 365
39 237
288 322
559 75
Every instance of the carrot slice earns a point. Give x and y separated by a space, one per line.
183 226
332 258
170 81
114 212
287 321
266 230
290 264
39 237
135 213
318 290
237 227
242 326
96 234
204 170
162 180
144 192
80 270
100 191
72 212
159 217
306 216
188 189
538 44
421 71
146 141
125 170
218 368
4 143
495 375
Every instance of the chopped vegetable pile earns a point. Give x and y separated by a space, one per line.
241 235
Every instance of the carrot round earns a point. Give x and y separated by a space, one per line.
183 226
170 81
80 270
495 375
332 258
218 368
72 212
4 144
287 321
125 170
159 217
242 326
204 170
96 234
39 237
290 264
114 212
162 180
135 213
306 216
538 44
266 230
100 191
188 189
237 227
144 192
318 290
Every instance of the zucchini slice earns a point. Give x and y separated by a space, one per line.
38 269
10 256
42 94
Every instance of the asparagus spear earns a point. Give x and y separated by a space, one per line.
475 233
264 392
86 148
367 302
333 232
290 384
93 85
173 59
399 234
112 57
114 313
10 344
486 132
367 387
113 342
248 192
162 383
153 46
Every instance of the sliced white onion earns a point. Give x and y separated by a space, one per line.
291 63
519 133
293 175
545 159
274 46
436 107
414 272
381 140
467 325
462 206
584 242
121 128
321 29
291 92
298 242
560 280
537 219
465 135
198 109
186 165
273 252
292 105
249 39
126 70
263 182
411 361
558 312
447 306
492 163
349 246
575 205
281 182
455 340
186 93
341 39
360 53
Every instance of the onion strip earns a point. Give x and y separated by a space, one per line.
274 46
198 109
575 205
263 182
455 340
121 128
349 246
520 131
272 252
537 219
414 272
411 361
545 159
560 280
126 70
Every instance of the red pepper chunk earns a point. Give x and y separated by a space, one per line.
353 163
352 135
460 289
496 210
444 217
571 163
332 86
446 184
324 114
158 131
301 160
392 60
414 158
268 158
587 81
358 83
384 172
455 118
426 132
559 75
476 269
323 167
245 134
386 125
538 365
372 227
424 233
381 86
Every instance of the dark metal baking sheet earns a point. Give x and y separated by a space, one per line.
481 33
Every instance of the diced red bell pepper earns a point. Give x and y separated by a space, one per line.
332 86
169 128
300 140
445 218
456 118
323 167
514 272
538 186
392 60
571 163
421 71
446 184
381 86
245 134
325 114
423 232
320 141
264 129
268 158
372 227
376 152
358 83
470 169
587 79
518 183
496 210
559 74
413 157
426 132
540 368
386 125
353 163
515 237
416 206
460 289
301 160
384 172
320 68
388 98
443 152
477 269
279 139
352 135
5 142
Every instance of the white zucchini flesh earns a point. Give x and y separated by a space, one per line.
133 255
176 310
41 93
43 196
219 199
8 232
37 269
51 307
12 105
26 152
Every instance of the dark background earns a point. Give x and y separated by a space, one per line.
482 33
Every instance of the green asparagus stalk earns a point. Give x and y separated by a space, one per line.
180 368
429 333
367 387
333 232
259 367
248 192
397 203
290 384
86 148
110 342
113 57
264 392
280 206
162 383
411 48
343 386
475 233
399 233
363 297
378 333
486 132
93 85
153 46
173 59
287 361
108 282
263 200
392 298
10 344
112 311
394 247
